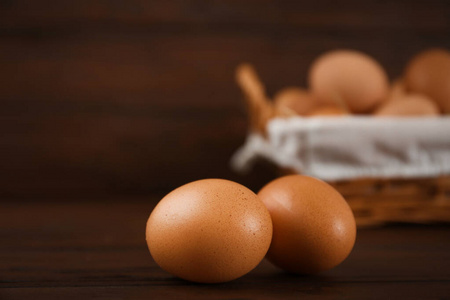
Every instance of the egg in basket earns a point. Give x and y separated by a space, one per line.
385 147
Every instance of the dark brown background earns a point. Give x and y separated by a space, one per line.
133 97
129 99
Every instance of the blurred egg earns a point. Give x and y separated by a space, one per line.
297 100
429 73
313 226
352 76
408 105
397 90
328 111
209 231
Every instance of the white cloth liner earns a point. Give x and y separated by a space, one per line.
352 147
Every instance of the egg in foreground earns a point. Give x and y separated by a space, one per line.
209 231
313 226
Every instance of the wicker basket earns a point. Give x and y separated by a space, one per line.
373 201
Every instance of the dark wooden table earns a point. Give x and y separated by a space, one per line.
85 249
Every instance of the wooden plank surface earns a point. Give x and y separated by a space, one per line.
136 96
91 248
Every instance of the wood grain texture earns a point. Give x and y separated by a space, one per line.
90 248
135 96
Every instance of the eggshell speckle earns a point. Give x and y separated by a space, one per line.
209 231
313 226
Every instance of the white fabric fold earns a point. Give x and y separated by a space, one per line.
352 147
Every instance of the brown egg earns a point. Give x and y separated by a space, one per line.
352 76
297 100
313 226
429 73
209 231
397 90
328 111
408 105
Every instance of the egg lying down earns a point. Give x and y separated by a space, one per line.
216 230
313 226
209 231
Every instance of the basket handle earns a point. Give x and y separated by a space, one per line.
260 107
